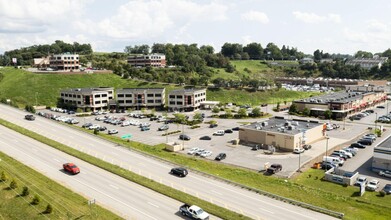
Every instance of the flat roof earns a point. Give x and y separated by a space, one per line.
141 89
385 144
334 97
182 91
87 90
284 126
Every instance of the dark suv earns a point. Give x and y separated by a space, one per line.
184 137
274 168
29 117
179 171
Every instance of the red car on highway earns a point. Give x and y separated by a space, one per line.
71 168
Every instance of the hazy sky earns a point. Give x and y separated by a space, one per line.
334 26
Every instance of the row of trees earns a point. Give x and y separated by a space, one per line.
26 55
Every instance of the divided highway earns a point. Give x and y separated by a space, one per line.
220 193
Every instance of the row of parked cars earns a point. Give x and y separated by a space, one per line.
61 118
362 114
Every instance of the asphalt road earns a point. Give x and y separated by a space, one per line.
217 192
126 198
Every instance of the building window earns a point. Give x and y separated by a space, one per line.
62 94
158 95
179 96
97 102
172 96
97 96
158 101
104 101
121 101
120 95
128 101
149 95
79 103
172 103
179 103
150 101
104 95
78 96
128 95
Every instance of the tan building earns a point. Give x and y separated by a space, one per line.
65 61
282 133
140 98
92 98
329 82
41 63
186 99
153 60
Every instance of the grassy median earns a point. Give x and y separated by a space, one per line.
158 187
65 203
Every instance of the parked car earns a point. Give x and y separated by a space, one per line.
385 173
328 165
71 168
86 125
298 150
365 141
380 106
307 146
219 133
361 180
357 145
339 155
221 156
213 125
184 137
235 129
193 150
387 189
199 151
370 136
179 171
207 138
163 127
274 168
206 153
29 117
112 131
144 128
373 185
350 150
102 128
229 131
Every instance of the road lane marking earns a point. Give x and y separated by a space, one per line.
56 160
153 204
217 192
115 187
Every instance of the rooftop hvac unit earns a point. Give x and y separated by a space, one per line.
264 124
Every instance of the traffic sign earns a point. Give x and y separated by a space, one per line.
126 136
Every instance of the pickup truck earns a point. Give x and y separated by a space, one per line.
193 212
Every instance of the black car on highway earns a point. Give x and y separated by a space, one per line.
179 171
29 117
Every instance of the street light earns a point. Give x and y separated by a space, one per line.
327 144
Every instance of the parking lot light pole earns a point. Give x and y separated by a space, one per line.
375 123
327 145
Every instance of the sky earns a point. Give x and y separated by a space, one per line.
334 26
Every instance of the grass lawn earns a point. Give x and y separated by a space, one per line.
241 97
66 204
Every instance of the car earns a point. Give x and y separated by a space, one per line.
348 154
385 173
365 141
380 106
163 127
339 155
213 125
387 189
370 136
179 171
219 133
71 168
235 129
370 111
357 145
206 153
307 146
86 125
193 150
206 138
102 128
199 151
228 131
373 185
93 127
144 128
328 165
29 117
274 168
220 156
112 131
361 180
184 137
298 150
350 150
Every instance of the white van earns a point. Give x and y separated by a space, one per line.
333 160
219 132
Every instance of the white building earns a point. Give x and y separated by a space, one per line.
368 63
65 61
92 98
139 97
186 99
153 60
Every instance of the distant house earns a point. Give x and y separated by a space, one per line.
41 63
152 60
327 60
368 63
306 60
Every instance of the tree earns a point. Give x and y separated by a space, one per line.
25 191
13 184
278 106
36 200
216 109
254 51
49 209
293 109
180 118
197 117
228 113
327 114
306 112
3 177
242 113
256 112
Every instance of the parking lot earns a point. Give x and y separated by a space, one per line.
241 155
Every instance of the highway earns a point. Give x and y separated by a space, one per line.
220 193
127 199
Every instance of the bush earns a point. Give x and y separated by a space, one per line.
13 184
36 200
382 193
4 177
49 209
96 131
195 126
25 191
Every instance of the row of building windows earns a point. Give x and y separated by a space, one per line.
148 101
200 94
177 103
130 95
177 96
64 58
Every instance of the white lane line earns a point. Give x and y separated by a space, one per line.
266 210
115 187
114 153
153 204
56 160
217 192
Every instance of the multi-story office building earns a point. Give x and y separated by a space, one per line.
65 61
139 97
186 99
153 60
88 98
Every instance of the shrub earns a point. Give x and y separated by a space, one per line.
4 177
13 184
49 209
25 191
382 193
96 131
36 200
195 126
